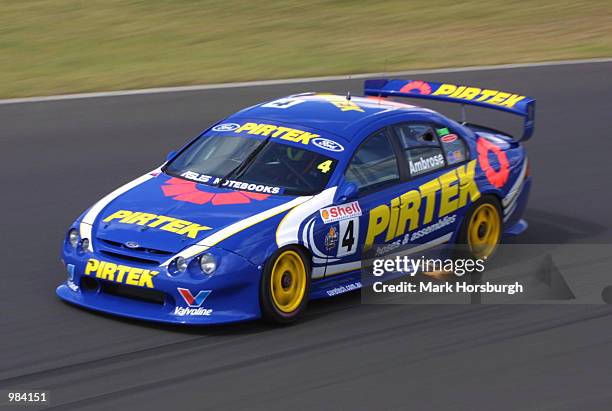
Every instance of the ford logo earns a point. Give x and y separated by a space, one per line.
226 127
132 244
327 144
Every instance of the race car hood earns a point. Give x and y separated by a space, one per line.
167 213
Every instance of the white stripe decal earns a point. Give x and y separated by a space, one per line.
232 229
355 265
422 247
318 272
287 231
85 228
321 258
516 187
510 201
508 211
313 245
305 234
436 241
340 268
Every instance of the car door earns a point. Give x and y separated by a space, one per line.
431 153
375 170
408 192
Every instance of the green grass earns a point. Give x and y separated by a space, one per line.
64 46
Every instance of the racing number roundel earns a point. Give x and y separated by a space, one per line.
496 177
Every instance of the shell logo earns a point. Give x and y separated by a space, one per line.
325 214
188 191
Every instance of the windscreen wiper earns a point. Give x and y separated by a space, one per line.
242 166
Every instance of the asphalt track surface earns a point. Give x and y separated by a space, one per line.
60 157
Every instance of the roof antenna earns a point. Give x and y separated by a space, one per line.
348 92
385 76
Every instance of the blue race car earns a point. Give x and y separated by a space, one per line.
276 204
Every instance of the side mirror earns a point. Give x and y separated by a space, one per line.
170 155
346 192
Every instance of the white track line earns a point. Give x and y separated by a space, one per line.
295 80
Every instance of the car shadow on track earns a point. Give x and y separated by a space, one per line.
553 228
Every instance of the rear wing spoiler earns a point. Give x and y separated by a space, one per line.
494 99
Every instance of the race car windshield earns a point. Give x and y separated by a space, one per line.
218 159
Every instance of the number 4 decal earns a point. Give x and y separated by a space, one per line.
349 233
325 166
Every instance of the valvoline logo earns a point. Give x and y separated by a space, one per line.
340 212
188 191
193 300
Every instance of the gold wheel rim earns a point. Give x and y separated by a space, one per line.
288 281
484 231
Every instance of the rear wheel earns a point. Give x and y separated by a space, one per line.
285 285
482 228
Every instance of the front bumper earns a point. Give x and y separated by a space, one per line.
230 295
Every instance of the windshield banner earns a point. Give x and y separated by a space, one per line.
233 184
283 133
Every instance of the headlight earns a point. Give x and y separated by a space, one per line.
208 263
181 264
74 237
85 244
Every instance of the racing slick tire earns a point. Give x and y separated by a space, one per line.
481 230
285 285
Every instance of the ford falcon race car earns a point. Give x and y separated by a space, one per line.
278 203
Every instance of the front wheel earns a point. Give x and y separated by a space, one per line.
482 228
285 285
